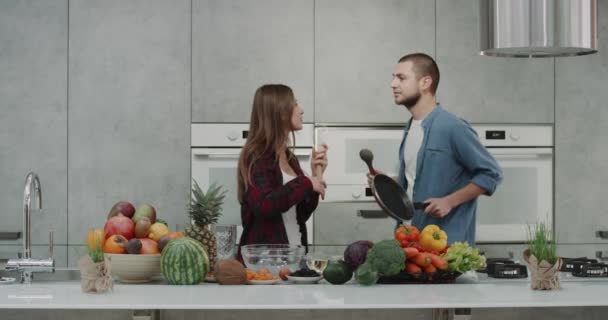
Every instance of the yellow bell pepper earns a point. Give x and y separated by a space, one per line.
432 238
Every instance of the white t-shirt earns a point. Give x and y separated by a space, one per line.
413 142
289 218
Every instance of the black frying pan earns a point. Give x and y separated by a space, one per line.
389 194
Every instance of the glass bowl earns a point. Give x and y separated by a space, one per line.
273 257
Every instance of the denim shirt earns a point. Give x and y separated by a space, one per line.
450 157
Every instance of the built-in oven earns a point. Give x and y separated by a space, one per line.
525 196
215 153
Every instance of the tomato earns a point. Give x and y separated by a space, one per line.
284 272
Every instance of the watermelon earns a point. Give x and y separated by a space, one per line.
184 262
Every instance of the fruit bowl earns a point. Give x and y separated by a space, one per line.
134 268
273 257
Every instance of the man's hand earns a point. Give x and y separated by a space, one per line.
370 177
441 207
438 207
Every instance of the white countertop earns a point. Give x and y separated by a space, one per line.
67 295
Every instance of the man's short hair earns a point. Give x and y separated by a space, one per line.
424 65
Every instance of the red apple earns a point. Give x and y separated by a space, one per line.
124 207
149 246
120 225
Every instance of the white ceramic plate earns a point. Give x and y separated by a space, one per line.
5 280
304 280
264 281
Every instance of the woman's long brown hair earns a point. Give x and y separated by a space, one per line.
269 129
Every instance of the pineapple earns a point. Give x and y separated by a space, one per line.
205 209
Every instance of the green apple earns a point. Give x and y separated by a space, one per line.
145 210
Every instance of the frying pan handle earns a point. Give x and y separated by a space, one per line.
420 205
371 169
367 156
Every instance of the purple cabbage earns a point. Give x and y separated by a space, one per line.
356 252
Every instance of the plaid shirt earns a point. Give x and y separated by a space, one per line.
266 199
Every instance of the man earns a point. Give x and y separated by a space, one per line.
441 160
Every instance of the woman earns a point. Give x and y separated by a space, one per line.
276 196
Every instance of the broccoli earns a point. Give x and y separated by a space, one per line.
366 275
386 257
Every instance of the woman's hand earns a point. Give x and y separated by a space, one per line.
319 159
318 185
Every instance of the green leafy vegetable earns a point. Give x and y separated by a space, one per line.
462 258
96 254
541 243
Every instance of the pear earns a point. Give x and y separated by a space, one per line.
145 210
142 227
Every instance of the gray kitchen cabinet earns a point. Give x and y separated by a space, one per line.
237 46
33 114
357 45
488 89
129 110
581 168
339 224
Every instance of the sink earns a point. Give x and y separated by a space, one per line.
58 275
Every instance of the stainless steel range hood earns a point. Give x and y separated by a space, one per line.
538 28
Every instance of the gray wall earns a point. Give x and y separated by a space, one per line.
98 96
95 98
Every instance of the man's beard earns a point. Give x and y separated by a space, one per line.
411 101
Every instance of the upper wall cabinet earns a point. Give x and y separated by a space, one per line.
487 89
129 111
357 45
33 113
581 168
237 46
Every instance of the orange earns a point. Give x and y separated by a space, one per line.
175 234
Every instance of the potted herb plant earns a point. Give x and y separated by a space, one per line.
542 259
94 267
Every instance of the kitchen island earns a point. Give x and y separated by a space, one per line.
158 296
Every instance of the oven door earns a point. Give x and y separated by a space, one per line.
219 165
524 197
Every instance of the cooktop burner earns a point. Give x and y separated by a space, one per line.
571 264
505 268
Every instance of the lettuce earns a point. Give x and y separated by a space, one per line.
462 258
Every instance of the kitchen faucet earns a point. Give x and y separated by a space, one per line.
27 265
